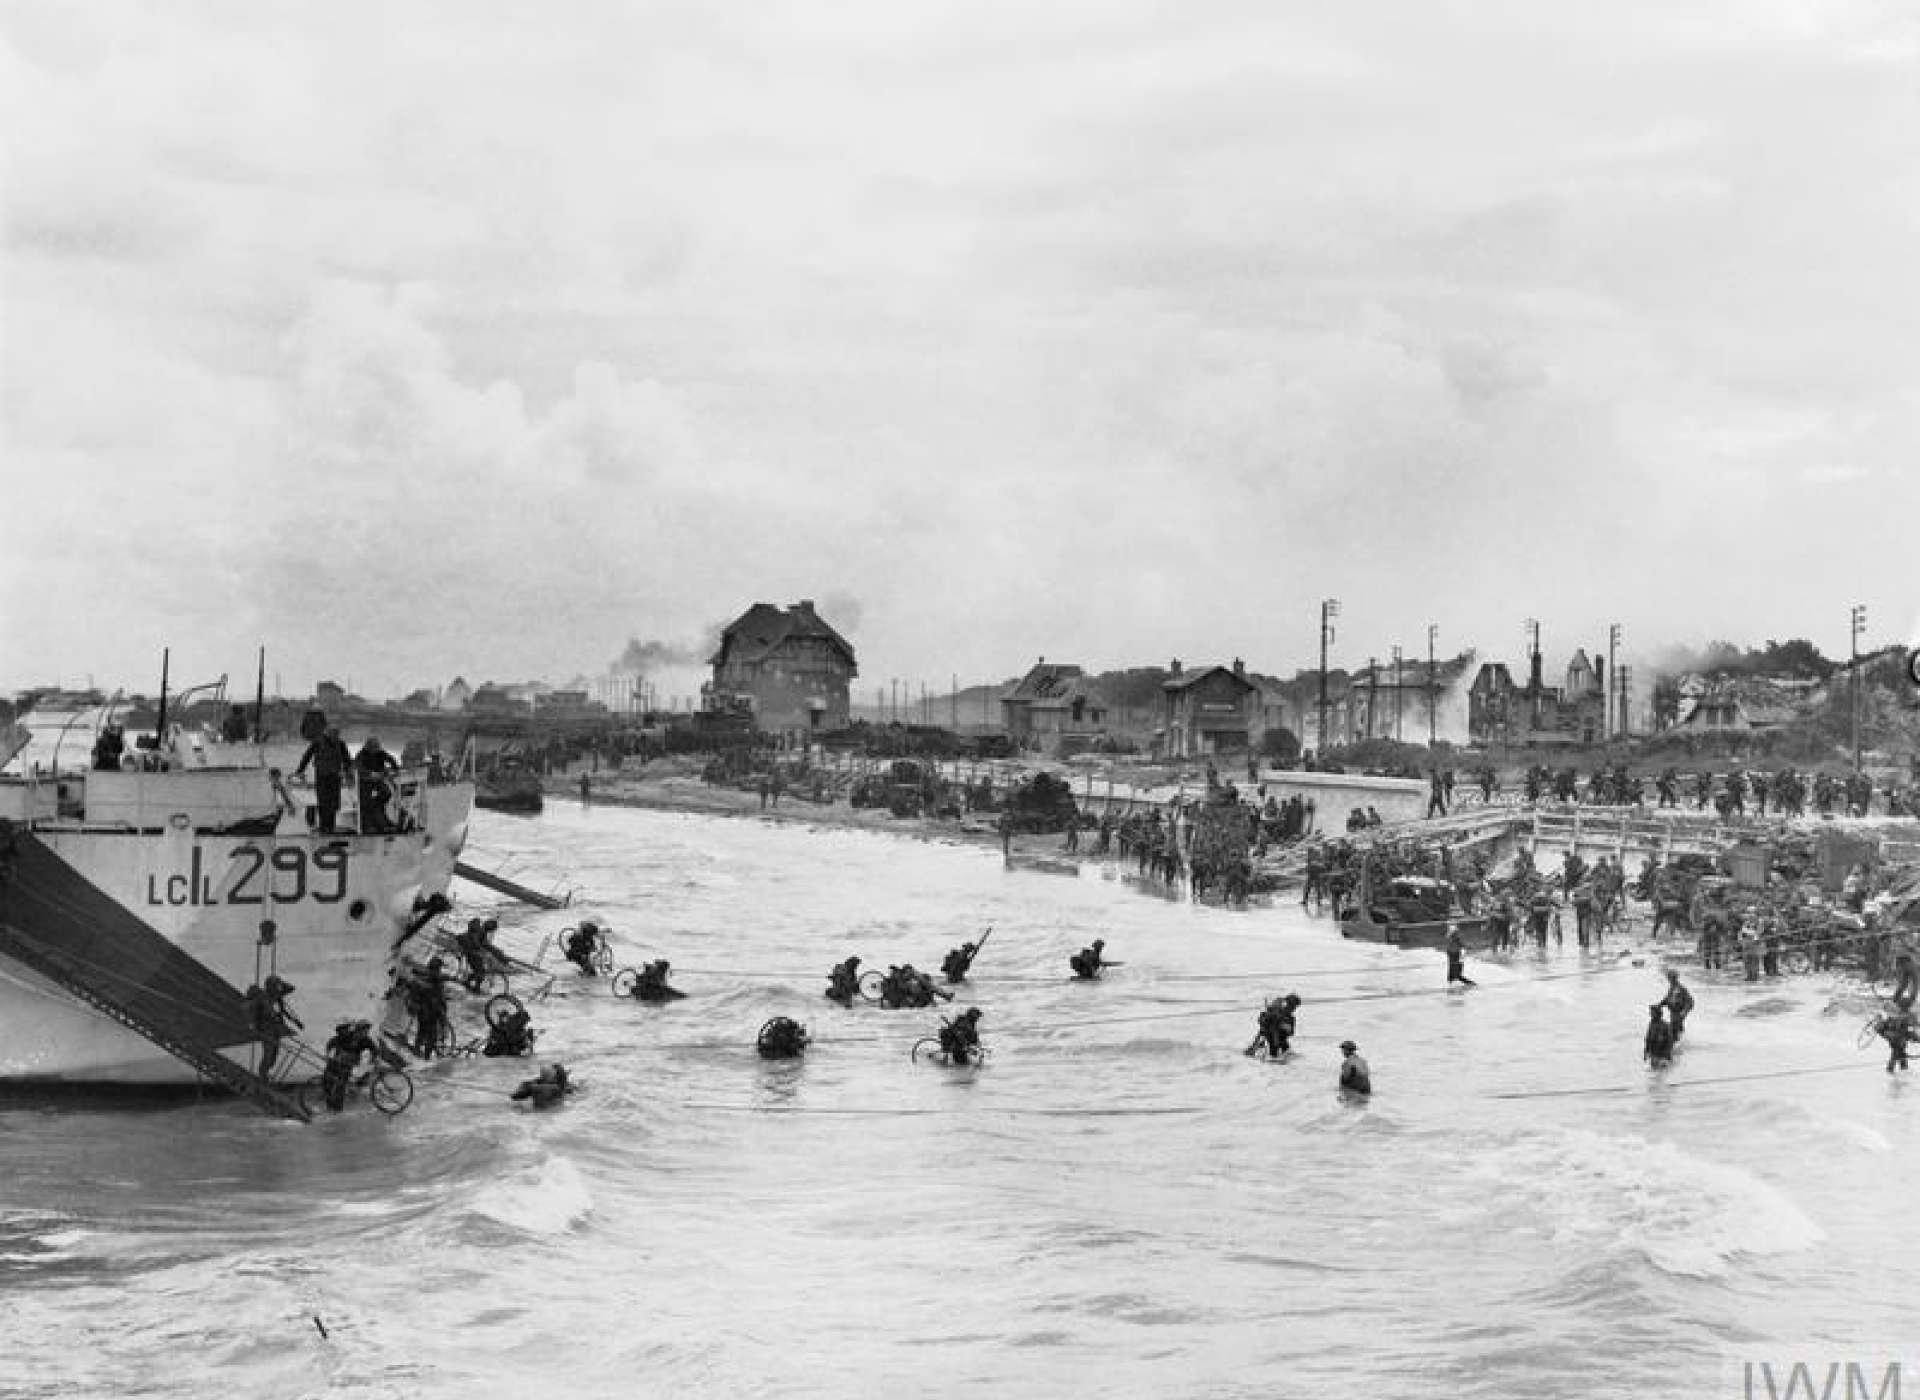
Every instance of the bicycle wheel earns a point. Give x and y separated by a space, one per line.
624 981
391 1091
929 1043
1796 962
500 1007
870 983
1868 1033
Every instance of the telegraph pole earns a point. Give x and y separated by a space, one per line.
1433 634
1859 625
1329 610
1613 680
1533 651
1396 695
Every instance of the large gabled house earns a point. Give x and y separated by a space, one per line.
1211 709
788 666
1052 708
1741 705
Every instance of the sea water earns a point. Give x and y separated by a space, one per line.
1119 1203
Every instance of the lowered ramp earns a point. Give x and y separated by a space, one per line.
56 923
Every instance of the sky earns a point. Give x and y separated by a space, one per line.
485 339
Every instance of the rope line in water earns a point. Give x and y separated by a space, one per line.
1685 1083
928 1112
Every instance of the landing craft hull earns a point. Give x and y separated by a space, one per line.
1426 934
225 798
338 903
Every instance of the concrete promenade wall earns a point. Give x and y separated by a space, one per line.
1334 795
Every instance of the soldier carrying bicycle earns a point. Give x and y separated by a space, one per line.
583 946
351 1041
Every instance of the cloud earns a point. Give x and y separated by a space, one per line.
1108 329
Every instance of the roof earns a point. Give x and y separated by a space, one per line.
1186 680
1757 701
764 627
1046 684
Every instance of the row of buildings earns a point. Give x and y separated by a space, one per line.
793 672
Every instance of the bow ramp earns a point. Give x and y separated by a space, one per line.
500 884
56 923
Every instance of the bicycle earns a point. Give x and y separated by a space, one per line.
389 1088
601 958
935 1051
500 1007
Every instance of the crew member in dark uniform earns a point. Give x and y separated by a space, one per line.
330 760
108 749
376 767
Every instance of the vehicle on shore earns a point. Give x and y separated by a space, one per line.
508 784
1411 911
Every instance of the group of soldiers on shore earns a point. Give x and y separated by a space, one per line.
1783 792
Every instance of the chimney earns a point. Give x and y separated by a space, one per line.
805 605
1533 674
1043 661
1239 668
1173 667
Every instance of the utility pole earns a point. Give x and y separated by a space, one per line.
1433 732
1613 679
1396 694
1373 693
1859 625
1329 610
893 711
1533 652
954 702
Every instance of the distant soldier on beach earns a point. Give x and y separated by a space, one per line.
1355 1076
1657 1048
1457 959
1086 963
1679 1004
1276 1026
843 983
